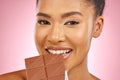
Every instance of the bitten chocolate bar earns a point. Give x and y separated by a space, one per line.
45 67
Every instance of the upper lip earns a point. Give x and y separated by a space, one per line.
57 48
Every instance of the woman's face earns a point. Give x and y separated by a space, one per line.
65 27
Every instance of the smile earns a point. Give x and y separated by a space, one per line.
65 52
59 51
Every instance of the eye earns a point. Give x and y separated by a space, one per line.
71 23
43 22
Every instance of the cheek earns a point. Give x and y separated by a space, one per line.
81 42
40 38
78 36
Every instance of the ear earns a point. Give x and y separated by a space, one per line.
98 26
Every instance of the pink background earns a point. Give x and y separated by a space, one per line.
17 22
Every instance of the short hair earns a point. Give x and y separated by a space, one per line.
99 6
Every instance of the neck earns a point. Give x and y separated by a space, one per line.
80 72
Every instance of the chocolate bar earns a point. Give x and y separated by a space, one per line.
45 67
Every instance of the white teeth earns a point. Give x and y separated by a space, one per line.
58 51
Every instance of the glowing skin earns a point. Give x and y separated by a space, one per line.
68 25
65 26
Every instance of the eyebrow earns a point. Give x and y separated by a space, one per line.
43 14
71 14
63 15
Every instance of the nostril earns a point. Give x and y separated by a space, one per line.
55 38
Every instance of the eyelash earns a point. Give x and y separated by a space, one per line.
45 22
71 23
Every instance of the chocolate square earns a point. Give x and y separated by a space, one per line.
36 74
52 58
34 62
55 69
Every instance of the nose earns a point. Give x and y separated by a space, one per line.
56 35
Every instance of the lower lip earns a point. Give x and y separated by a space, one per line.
65 56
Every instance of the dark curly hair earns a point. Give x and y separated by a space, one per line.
99 6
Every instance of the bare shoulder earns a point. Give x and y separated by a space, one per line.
17 75
94 77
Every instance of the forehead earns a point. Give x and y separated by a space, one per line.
63 6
